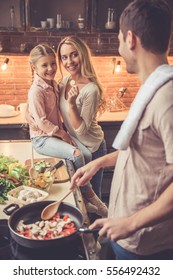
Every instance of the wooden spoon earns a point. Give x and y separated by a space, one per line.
50 210
32 172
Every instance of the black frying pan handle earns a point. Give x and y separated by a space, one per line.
8 210
87 230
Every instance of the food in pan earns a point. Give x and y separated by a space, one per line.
57 227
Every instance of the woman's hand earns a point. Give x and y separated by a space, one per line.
72 95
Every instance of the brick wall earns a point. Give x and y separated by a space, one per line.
16 80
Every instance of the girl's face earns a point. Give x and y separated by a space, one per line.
46 68
70 59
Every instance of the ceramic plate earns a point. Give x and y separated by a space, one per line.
13 114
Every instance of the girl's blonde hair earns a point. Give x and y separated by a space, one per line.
38 52
87 69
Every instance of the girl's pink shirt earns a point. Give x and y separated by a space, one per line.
43 108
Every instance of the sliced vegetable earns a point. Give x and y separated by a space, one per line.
14 180
41 164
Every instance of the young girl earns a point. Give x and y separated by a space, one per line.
46 131
80 101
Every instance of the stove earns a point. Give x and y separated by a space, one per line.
10 250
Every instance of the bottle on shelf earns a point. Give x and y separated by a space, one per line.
81 22
110 24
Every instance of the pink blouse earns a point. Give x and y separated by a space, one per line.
43 108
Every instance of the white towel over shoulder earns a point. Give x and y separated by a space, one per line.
159 77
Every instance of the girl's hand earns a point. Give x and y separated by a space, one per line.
72 95
66 137
61 133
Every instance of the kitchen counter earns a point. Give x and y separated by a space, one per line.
113 116
105 117
17 120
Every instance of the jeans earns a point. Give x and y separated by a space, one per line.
123 254
55 147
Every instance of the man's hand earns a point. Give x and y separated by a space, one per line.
114 228
84 174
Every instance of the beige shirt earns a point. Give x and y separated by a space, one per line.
90 133
143 172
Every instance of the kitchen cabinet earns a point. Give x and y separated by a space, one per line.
40 10
110 131
13 17
22 31
100 14
27 14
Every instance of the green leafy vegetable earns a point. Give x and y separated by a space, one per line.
5 186
5 161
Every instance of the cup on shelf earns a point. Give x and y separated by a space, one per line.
50 22
43 24
22 108
110 25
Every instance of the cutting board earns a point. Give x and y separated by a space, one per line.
61 175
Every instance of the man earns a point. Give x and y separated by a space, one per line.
140 222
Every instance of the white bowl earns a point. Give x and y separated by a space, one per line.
6 110
25 195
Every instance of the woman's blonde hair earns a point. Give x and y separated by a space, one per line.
38 52
87 69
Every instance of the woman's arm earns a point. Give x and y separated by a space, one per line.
76 120
81 118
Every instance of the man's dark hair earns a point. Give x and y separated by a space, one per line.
150 20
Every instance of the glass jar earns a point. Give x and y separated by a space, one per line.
80 21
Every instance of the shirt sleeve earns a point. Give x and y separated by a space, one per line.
166 132
89 103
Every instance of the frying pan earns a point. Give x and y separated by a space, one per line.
32 212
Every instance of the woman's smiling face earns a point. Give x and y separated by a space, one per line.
46 68
70 59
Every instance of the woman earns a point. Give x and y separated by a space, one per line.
80 101
46 130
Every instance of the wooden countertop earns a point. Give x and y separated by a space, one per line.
113 116
105 117
19 119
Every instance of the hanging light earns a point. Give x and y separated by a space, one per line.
118 66
4 65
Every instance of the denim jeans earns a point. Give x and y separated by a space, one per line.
55 147
123 254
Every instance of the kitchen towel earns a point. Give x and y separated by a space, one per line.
159 77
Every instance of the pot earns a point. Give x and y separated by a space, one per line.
32 212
